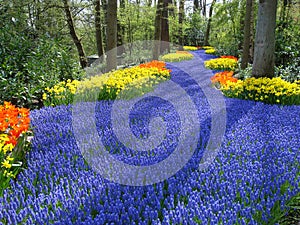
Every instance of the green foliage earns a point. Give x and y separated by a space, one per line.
293 214
243 74
290 72
28 66
226 33
137 21
194 30
287 43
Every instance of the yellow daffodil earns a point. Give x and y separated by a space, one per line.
6 164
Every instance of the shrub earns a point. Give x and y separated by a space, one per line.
291 72
28 66
272 91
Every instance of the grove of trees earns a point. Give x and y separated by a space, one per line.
45 41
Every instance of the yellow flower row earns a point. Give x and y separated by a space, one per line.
210 51
5 155
120 79
177 57
221 64
190 48
61 87
61 93
268 90
105 86
207 47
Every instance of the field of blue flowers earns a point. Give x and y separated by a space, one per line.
254 175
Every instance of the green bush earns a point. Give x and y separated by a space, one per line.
287 43
291 72
29 65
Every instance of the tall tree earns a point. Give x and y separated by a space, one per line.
98 28
285 8
251 47
204 8
149 3
157 31
112 8
104 28
264 50
247 34
121 30
206 39
180 21
196 5
76 40
165 33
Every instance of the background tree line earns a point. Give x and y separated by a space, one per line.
42 41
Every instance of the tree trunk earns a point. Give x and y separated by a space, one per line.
149 3
247 35
200 6
77 42
121 31
204 8
104 28
264 58
241 28
196 5
98 28
180 21
284 13
165 35
157 32
112 7
206 39
120 38
251 47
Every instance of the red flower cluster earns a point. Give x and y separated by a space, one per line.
183 52
223 77
155 63
13 121
229 57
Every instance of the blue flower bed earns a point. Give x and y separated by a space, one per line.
255 173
